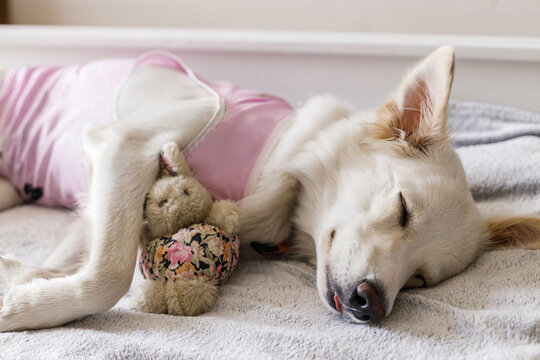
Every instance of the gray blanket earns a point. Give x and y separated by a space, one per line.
270 308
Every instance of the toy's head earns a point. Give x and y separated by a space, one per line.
174 203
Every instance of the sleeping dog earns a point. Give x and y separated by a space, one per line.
379 200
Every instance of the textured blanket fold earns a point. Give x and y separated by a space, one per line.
270 308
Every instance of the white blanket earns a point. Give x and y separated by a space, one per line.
270 308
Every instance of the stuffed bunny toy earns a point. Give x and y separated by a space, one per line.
189 245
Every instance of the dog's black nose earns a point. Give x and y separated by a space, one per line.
366 302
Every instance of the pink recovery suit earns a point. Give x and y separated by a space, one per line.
44 109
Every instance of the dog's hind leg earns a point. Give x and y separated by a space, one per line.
13 272
72 251
8 195
66 258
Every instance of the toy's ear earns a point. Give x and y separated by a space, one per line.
172 162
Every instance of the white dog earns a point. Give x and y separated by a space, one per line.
379 199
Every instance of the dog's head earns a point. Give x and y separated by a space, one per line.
385 198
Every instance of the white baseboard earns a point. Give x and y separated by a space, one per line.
362 68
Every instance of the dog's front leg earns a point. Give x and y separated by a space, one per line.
124 165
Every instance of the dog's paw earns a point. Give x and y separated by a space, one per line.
171 150
13 314
6 321
6 325
19 312
174 161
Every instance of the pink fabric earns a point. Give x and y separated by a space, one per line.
225 159
43 111
42 114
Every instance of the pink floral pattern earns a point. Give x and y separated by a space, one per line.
198 251
179 253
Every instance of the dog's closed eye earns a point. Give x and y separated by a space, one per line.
404 215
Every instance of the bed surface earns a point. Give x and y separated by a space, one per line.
270 308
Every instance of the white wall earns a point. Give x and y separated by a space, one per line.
355 49
360 68
480 17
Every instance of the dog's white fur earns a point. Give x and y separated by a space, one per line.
333 181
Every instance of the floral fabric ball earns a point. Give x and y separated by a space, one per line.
200 250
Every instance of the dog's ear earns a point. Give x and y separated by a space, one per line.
417 111
513 232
